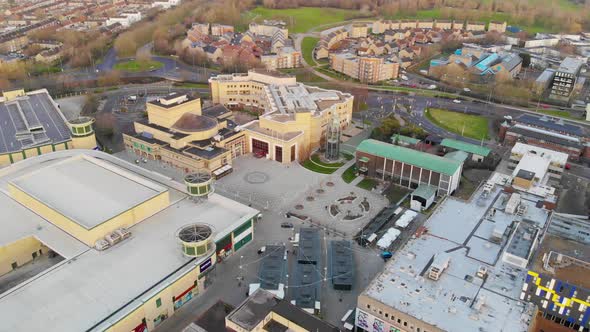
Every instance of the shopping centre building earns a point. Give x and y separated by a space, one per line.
294 116
33 124
134 246
181 134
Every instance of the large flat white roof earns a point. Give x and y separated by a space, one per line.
461 230
87 190
94 289
552 155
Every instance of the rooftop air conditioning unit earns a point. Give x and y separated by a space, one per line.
482 271
113 238
101 244
123 232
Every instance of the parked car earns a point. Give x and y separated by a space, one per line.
286 225
456 101
467 89
262 250
386 255
259 154
568 166
432 87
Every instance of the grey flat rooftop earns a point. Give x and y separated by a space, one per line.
252 311
30 121
341 263
522 241
95 289
86 190
460 230
272 268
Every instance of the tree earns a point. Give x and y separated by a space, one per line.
110 78
90 104
143 55
105 124
526 59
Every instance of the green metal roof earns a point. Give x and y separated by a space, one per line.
405 139
457 155
364 159
409 156
464 146
424 191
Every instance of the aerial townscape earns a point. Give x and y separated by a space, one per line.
295 165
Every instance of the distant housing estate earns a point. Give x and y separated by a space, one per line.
478 63
267 42
377 56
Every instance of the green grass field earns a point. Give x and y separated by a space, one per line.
316 165
349 174
192 85
307 46
538 26
367 184
304 18
558 113
135 66
467 125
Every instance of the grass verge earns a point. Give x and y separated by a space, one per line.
350 174
316 165
135 66
367 184
303 19
307 46
467 125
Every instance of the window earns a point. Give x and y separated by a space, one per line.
386 315
405 323
158 302
368 306
399 321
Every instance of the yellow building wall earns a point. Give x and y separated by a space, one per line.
166 117
31 152
46 149
85 142
16 156
62 146
291 325
4 159
299 142
150 311
523 183
20 251
10 95
90 236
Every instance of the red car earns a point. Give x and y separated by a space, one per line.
259 154
568 166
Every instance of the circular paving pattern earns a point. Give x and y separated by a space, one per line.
256 177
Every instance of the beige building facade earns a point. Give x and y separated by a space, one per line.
293 117
365 69
181 134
